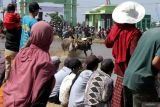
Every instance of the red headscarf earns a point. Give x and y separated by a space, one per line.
31 70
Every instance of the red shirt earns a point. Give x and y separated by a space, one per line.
123 39
12 21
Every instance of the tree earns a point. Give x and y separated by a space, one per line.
55 17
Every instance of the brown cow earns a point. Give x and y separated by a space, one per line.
70 44
84 44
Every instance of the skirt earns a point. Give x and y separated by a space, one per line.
118 93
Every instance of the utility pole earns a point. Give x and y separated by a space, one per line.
23 7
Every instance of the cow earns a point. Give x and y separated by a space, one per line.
69 44
84 45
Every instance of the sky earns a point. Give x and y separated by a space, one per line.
152 6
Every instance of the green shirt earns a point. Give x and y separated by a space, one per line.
140 73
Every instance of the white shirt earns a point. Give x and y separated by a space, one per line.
77 91
59 76
65 88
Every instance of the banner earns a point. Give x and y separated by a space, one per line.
51 9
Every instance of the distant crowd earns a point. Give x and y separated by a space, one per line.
79 31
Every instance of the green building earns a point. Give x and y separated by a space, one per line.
102 16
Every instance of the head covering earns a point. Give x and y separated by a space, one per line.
32 69
41 35
55 59
128 12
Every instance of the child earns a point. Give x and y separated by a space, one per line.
11 19
100 86
28 22
13 33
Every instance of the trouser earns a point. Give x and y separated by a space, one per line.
139 98
9 56
128 97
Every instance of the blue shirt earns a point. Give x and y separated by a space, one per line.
59 76
27 23
78 89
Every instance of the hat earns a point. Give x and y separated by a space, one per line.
33 6
55 59
128 12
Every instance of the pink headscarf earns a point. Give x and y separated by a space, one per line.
44 38
31 70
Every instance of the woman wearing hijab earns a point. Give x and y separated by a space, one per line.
123 39
31 77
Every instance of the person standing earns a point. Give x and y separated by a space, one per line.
123 39
13 34
143 67
32 74
28 22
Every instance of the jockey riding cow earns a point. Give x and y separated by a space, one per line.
70 44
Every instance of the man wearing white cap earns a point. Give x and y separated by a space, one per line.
123 39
